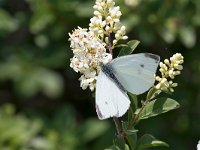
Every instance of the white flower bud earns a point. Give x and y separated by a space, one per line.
107 28
177 72
158 86
118 14
117 8
106 40
164 89
171 72
179 67
100 9
174 84
95 7
161 64
103 23
123 28
163 80
166 61
171 90
116 20
109 18
125 37
102 4
117 36
100 31
97 13
114 42
181 61
157 78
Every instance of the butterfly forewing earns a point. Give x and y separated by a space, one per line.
136 72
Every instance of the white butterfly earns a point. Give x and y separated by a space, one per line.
133 73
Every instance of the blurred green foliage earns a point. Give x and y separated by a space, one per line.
35 77
38 133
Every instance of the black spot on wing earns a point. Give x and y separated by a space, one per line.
99 112
142 65
155 57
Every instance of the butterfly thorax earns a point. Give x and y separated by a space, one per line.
110 72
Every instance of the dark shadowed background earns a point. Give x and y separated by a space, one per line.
42 106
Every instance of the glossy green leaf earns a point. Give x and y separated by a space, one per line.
133 44
131 135
130 114
134 105
128 131
134 101
114 147
125 51
131 47
147 141
158 106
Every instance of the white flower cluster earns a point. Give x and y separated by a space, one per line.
169 69
107 21
89 53
89 47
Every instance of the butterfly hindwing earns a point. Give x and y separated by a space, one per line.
111 101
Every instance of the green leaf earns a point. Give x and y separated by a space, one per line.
134 105
114 147
133 44
131 135
130 48
134 101
147 141
125 51
158 106
127 130
130 114
119 143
